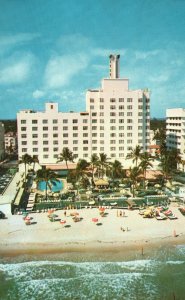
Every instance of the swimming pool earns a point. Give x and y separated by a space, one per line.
54 186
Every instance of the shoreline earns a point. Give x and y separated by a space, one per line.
140 247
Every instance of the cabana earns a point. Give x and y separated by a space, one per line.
101 184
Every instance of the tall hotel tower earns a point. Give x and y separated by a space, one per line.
115 121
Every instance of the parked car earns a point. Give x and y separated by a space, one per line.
2 215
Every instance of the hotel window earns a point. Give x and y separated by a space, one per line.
23 143
23 121
65 134
101 99
129 142
85 155
75 121
140 114
129 100
112 120
45 128
24 149
129 106
44 121
121 127
94 134
101 106
75 134
65 121
34 121
91 100
112 127
121 141
112 106
85 142
75 156
75 148
121 114
94 141
101 121
140 127
55 128
55 121
94 127
121 99
34 128
45 135
45 142
102 142
140 134
23 136
101 127
94 121
85 148
75 142
121 120
34 136
121 134
140 121
101 114
55 156
112 135
94 114
45 156
85 121
55 142
140 106
101 149
85 127
65 142
102 134
55 149
121 154
112 148
140 100
34 142
45 149
65 128
112 114
129 134
94 148
91 106
129 120
129 127
35 149
23 128
129 114
112 142
121 148
85 134
112 100
140 141
121 107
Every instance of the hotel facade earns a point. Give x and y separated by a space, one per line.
116 119
175 129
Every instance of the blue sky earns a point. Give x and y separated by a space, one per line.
56 50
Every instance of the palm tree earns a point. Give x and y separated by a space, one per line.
66 155
135 154
48 176
81 167
34 161
103 162
134 174
94 163
116 170
26 159
145 163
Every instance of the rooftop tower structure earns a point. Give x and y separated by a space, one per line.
114 66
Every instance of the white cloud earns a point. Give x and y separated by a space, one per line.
38 94
10 41
16 69
145 54
60 69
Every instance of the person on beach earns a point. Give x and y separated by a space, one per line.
65 213
122 228
120 213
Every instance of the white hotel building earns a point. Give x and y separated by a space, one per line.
115 121
175 129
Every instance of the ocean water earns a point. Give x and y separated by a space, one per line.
157 275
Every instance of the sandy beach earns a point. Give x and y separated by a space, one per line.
44 236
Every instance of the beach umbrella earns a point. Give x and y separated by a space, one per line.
62 222
95 220
27 218
102 209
